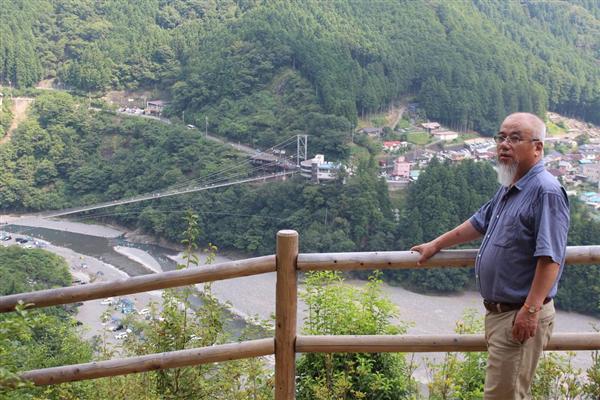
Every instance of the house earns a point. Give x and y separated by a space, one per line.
155 106
589 149
591 170
479 143
445 135
414 175
394 145
552 157
317 169
484 154
430 126
456 155
420 157
401 168
591 198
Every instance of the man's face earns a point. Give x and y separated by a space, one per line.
522 149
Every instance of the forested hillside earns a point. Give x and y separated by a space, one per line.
63 155
260 70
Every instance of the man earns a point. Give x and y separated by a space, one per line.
524 228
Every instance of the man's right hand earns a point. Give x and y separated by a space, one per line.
427 250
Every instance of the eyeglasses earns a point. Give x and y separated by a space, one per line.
499 139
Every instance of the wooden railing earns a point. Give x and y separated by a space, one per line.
286 343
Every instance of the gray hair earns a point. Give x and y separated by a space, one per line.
537 124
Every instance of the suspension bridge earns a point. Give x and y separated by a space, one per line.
270 165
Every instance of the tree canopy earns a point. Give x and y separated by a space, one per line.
259 70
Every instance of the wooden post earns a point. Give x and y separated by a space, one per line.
286 302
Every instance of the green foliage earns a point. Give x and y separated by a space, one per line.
444 196
65 156
580 283
419 138
26 270
335 308
404 123
557 378
554 129
460 375
39 338
592 386
259 69
5 115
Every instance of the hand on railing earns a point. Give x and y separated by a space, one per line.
427 250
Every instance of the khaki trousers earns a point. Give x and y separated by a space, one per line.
511 365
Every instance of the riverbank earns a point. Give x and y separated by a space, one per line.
255 296
63 225
140 257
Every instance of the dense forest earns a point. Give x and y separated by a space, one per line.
260 70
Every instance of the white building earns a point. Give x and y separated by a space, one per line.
317 169
445 135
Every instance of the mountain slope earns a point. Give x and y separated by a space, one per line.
259 70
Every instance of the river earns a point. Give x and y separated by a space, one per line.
254 295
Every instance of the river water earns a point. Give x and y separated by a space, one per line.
101 248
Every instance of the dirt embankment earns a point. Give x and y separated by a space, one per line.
19 112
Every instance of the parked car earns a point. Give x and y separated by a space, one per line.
108 301
121 335
5 237
21 240
116 327
144 311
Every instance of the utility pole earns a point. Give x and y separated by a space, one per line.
206 126
183 116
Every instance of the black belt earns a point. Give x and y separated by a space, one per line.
496 307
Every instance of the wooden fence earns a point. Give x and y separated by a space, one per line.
286 343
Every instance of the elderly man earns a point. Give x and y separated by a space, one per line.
524 228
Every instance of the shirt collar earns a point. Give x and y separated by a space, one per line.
533 171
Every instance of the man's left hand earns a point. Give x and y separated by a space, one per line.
525 325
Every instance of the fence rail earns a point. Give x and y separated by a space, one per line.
145 283
286 343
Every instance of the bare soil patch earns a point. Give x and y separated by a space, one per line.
19 112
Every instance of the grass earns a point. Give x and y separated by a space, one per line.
554 129
403 124
419 138
358 152
379 120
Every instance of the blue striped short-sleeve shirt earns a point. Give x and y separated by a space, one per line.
520 224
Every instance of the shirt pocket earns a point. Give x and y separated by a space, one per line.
506 233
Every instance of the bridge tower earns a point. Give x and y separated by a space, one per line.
301 148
